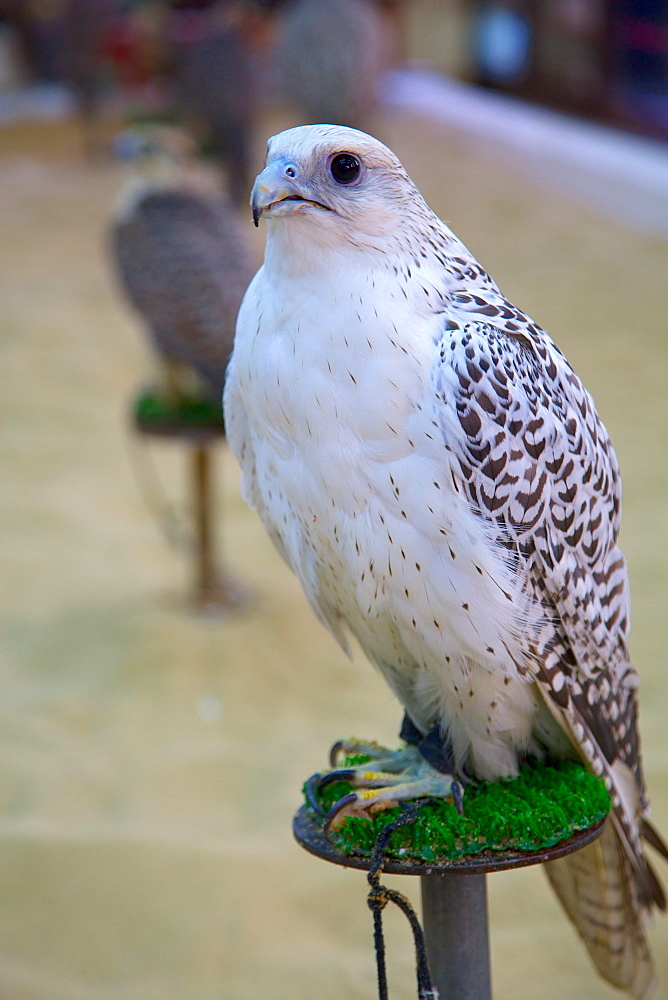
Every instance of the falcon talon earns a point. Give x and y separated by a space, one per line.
311 788
338 774
353 747
457 795
335 750
322 779
339 812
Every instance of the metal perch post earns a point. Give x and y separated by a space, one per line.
454 916
454 901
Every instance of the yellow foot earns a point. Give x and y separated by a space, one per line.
389 778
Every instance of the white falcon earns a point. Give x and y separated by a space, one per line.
436 475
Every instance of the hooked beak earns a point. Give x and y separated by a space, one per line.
278 187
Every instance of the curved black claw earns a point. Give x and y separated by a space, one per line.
335 750
311 792
338 774
340 804
458 796
318 781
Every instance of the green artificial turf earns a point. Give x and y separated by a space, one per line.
153 408
545 804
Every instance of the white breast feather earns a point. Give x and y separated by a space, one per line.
350 473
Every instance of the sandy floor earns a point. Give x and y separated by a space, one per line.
151 760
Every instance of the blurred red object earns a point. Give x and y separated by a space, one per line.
129 53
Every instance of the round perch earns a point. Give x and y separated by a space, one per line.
454 901
454 891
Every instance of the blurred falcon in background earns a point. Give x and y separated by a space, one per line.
329 55
211 60
182 259
436 475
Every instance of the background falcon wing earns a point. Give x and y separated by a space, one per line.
183 263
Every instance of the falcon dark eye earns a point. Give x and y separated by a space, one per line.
345 168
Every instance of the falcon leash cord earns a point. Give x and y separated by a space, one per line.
379 896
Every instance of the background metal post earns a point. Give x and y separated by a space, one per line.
454 917
207 579
214 591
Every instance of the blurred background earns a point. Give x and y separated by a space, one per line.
165 688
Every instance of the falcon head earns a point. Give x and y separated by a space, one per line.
337 181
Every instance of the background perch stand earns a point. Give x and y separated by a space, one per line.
454 901
199 425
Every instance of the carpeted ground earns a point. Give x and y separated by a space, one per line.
150 758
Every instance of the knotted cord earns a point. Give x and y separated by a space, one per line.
379 896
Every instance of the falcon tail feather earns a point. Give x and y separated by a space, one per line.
608 889
597 887
653 837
